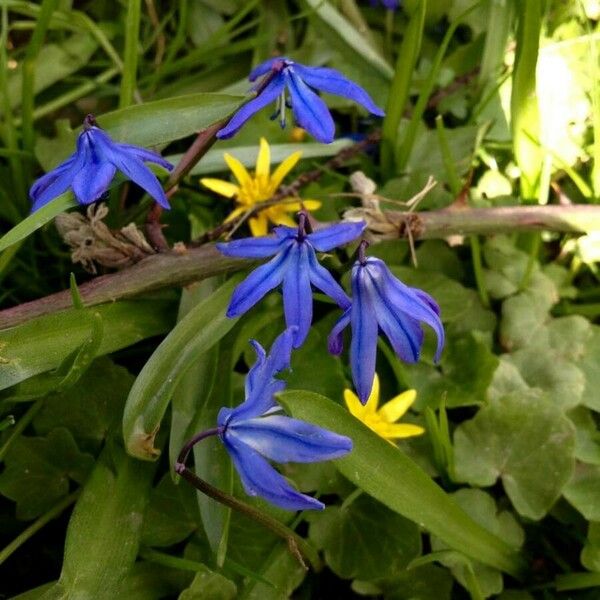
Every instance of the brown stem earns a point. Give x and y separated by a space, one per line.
154 229
169 269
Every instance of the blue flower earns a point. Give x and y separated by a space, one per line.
389 4
295 266
310 112
92 167
381 301
254 430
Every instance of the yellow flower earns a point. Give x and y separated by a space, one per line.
383 421
252 189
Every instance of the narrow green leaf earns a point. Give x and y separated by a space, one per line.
104 532
130 57
356 42
35 220
42 344
196 333
391 477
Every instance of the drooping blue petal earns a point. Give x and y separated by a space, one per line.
331 237
133 168
259 478
322 279
284 439
283 232
261 281
411 301
42 184
259 247
310 112
333 82
264 67
261 384
363 347
403 331
297 295
268 95
92 181
146 155
55 182
335 341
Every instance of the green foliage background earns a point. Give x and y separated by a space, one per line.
498 100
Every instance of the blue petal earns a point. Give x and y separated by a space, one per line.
333 82
41 184
265 67
261 384
267 96
310 112
283 439
335 341
132 167
363 347
331 237
145 155
413 302
284 232
259 478
261 281
322 279
297 295
92 181
260 247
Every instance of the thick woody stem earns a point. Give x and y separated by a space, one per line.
173 269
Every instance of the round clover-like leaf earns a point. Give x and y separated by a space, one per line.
527 442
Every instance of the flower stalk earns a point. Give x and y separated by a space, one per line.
297 545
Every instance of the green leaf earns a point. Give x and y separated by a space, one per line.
527 442
588 363
162 121
353 39
149 398
482 508
38 470
587 440
43 343
91 415
428 582
104 531
171 515
583 491
35 220
389 476
467 369
365 540
590 555
208 585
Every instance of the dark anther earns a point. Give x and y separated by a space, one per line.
89 122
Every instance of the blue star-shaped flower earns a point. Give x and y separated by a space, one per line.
381 301
254 430
295 266
89 171
310 112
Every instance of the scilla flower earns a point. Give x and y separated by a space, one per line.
252 189
295 266
255 431
383 421
381 301
299 82
89 171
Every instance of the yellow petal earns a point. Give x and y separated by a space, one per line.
263 160
308 205
238 169
396 432
373 400
391 411
258 225
225 188
281 218
284 168
353 403
236 212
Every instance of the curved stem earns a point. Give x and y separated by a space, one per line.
297 545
